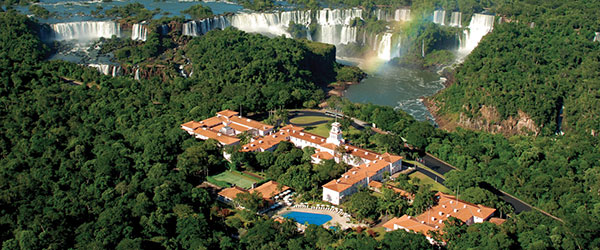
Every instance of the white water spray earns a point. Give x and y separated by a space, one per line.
480 25
139 32
86 31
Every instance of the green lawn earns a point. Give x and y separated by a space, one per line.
426 180
237 178
380 232
421 165
309 119
322 130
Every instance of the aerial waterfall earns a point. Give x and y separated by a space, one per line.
386 48
336 34
597 37
439 17
337 16
480 25
87 30
333 25
110 70
103 68
139 32
402 15
455 19
264 23
201 27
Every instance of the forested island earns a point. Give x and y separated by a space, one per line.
88 160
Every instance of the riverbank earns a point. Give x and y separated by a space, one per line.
442 121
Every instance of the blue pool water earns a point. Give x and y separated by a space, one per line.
311 218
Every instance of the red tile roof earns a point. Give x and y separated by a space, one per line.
250 123
355 175
448 206
232 192
411 224
497 221
227 113
269 189
322 155
223 139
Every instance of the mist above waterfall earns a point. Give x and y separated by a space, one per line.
480 25
84 31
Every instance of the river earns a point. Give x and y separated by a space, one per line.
395 86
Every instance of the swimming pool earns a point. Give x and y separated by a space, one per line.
311 218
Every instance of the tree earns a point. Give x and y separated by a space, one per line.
198 11
400 239
363 205
391 203
424 199
478 195
198 161
418 133
251 201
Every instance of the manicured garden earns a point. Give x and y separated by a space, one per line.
309 119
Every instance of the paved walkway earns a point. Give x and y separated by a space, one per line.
336 219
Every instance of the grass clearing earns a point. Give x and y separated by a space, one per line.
237 178
323 131
380 232
424 179
310 119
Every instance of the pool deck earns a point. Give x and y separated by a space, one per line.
336 219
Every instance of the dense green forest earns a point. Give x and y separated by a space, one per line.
541 61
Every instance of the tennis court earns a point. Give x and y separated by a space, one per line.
237 178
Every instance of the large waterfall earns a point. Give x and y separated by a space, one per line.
337 16
455 19
402 15
439 17
480 25
200 27
336 34
139 32
396 15
111 70
382 14
333 26
264 23
385 47
88 30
